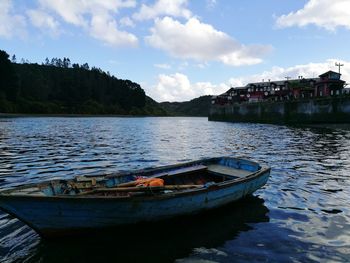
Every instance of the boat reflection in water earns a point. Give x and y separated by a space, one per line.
157 242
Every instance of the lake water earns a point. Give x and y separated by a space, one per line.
301 215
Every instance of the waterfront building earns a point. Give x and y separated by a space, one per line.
327 84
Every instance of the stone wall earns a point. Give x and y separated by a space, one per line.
317 110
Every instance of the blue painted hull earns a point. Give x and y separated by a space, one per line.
60 215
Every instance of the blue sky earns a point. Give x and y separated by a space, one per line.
181 49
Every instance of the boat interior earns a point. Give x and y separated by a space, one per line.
172 179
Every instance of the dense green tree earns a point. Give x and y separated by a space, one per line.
85 66
58 86
8 78
196 107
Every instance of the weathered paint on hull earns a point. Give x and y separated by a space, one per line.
58 216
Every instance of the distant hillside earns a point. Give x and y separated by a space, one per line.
154 108
59 87
196 107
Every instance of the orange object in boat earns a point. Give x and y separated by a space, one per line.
156 182
150 182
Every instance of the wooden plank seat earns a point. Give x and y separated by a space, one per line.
190 169
185 170
225 170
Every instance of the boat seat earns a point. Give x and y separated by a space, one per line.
185 170
225 170
190 169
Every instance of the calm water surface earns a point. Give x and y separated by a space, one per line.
301 215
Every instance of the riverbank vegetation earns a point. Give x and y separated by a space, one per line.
58 86
198 107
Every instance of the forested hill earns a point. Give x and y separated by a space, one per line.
59 87
196 107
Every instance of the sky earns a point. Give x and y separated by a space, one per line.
178 50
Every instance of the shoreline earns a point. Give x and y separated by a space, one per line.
15 115
65 115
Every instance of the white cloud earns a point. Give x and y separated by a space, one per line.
162 66
96 17
176 8
105 29
11 24
44 21
310 70
202 42
127 21
177 87
76 12
71 12
323 13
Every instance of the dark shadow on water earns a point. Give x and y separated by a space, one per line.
157 242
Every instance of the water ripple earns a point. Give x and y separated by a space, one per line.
307 196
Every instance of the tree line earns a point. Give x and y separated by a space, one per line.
57 62
58 86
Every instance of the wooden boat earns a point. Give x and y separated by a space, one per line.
64 207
